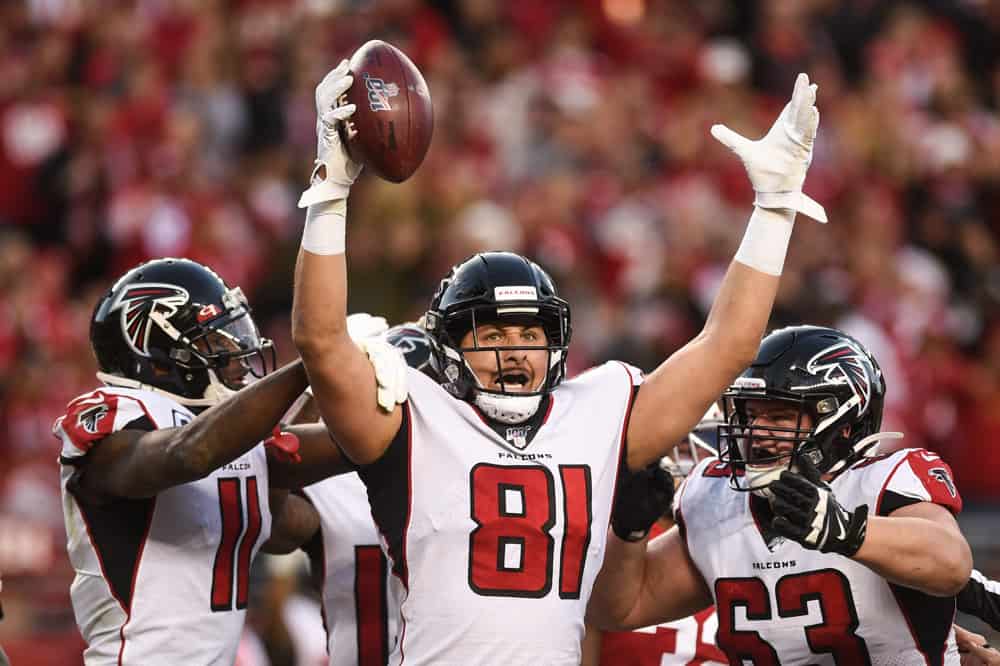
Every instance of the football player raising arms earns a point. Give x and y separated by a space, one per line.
491 490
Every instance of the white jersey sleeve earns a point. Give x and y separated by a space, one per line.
917 475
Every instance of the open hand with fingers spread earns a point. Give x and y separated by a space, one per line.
777 163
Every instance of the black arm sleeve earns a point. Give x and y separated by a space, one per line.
981 597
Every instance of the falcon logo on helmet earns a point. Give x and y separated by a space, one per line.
844 364
137 302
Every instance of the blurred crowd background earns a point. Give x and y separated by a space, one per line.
575 131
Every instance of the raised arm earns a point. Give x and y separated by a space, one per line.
340 373
137 463
642 584
677 393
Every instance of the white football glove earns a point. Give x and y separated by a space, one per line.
388 362
361 325
335 171
777 163
390 371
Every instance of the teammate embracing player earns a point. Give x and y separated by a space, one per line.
810 548
164 478
332 522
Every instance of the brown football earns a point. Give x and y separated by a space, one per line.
391 129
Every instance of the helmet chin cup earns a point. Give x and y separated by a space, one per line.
758 479
493 287
507 408
216 391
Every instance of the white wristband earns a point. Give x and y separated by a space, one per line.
326 227
766 239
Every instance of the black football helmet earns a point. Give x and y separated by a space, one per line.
174 326
819 371
413 341
495 287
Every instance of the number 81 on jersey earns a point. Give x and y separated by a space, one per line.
514 508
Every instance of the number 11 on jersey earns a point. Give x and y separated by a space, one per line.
231 564
511 549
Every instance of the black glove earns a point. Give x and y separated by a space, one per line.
806 511
643 497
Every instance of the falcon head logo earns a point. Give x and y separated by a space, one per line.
89 420
941 474
844 363
137 301
414 345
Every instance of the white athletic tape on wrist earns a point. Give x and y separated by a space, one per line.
326 228
766 240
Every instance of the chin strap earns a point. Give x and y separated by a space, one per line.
507 408
861 449
215 393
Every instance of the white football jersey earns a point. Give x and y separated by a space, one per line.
791 605
163 580
361 616
496 546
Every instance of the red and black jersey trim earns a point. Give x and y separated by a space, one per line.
890 501
118 531
623 470
390 491
118 528
929 619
